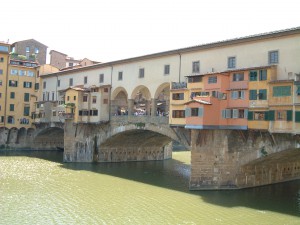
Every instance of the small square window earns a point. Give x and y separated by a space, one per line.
141 73
120 76
231 62
196 67
273 57
167 70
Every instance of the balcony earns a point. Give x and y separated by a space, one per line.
178 85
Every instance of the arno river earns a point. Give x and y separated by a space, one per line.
37 188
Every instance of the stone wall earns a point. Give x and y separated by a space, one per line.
219 158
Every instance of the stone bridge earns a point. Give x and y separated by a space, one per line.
220 159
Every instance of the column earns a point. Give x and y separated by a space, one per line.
130 106
153 107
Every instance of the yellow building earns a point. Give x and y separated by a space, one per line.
259 96
88 104
4 59
21 93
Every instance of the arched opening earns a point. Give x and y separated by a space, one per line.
119 102
162 100
141 101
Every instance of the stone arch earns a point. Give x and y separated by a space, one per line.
141 101
22 133
162 100
119 102
51 138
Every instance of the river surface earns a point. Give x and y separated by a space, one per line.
37 188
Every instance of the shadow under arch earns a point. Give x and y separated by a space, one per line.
49 138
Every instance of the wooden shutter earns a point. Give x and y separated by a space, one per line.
289 115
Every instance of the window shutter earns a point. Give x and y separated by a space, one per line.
228 113
253 95
297 116
250 115
242 94
200 112
234 94
235 113
266 116
187 112
271 115
245 113
289 115
224 113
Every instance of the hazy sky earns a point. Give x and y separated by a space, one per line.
107 30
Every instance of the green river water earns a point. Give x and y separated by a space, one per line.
37 188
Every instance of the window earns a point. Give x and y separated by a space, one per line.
141 73
22 72
44 96
101 78
1 71
178 114
71 82
13 83
105 90
178 96
14 72
53 95
120 76
26 97
105 101
212 80
71 64
259 115
263 75
195 79
30 73
2 119
194 111
58 83
237 94
167 69
26 110
3 48
11 107
281 115
27 49
94 100
262 94
27 84
252 94
10 120
253 75
238 77
95 112
68 98
0 83
85 80
74 97
231 62
36 86
273 57
1 59
36 50
12 95
44 84
281 91
85 98
196 67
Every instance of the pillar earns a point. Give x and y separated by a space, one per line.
153 107
130 106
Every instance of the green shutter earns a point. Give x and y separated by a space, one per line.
289 115
263 75
280 91
263 94
253 75
26 111
200 112
297 116
266 115
271 115
26 97
250 115
187 112
252 94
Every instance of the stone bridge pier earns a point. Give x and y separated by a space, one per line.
229 159
122 139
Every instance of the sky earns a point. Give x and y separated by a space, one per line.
108 30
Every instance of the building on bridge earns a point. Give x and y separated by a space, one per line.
233 84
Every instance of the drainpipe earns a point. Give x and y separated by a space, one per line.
109 106
179 74
5 97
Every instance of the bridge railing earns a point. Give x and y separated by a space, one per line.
140 119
